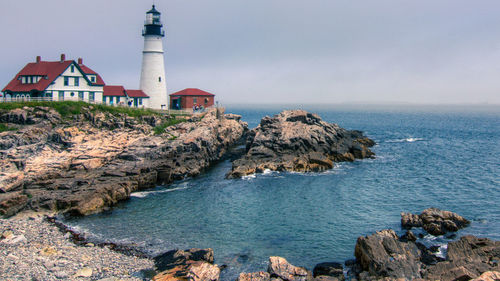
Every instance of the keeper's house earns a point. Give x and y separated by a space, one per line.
55 81
68 80
188 98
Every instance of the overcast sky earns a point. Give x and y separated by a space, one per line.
275 51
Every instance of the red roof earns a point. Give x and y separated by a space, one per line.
192 92
99 81
116 91
136 94
50 70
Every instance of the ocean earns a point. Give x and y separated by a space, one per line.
444 157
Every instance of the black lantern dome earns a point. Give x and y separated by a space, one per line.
153 25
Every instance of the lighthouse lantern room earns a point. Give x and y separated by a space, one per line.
153 68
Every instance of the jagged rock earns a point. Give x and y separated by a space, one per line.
11 203
488 276
332 269
176 257
383 255
434 221
255 276
81 167
191 264
300 141
280 268
408 236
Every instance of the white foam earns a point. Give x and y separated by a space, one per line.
142 194
410 139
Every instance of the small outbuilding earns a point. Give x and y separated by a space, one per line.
191 98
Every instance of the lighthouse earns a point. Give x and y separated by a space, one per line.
153 82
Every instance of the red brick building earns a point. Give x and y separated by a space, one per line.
188 98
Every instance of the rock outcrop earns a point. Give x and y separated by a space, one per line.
300 141
95 159
467 258
385 256
279 269
191 264
434 221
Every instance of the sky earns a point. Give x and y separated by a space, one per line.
275 51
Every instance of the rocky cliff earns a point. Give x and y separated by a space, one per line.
89 161
297 140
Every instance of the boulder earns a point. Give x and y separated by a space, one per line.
255 276
191 264
434 221
488 276
193 271
176 257
281 268
383 255
297 140
332 269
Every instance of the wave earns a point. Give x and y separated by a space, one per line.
405 140
142 194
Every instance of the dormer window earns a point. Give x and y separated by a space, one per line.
92 79
72 68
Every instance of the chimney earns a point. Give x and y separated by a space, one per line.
80 61
38 59
63 57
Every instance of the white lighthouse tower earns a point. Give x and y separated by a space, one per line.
153 79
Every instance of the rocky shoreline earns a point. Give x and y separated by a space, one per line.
96 159
89 163
299 141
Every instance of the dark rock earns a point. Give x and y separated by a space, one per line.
300 141
173 258
383 255
333 269
434 221
11 203
408 236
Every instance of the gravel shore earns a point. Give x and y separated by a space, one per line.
32 248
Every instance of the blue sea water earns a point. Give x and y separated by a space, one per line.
426 157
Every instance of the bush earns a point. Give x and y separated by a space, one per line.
4 128
160 129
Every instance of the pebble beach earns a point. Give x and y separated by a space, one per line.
32 248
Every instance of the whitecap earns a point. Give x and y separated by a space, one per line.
142 194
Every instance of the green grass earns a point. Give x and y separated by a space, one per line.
68 108
4 128
160 129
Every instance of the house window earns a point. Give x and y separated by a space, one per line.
66 81
77 81
92 78
91 96
80 95
206 100
117 100
195 100
140 101
72 94
61 95
72 68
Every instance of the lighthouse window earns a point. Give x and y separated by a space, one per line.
159 79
